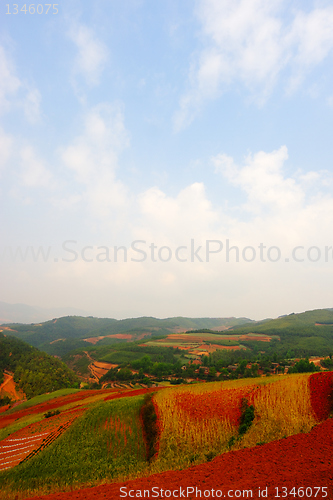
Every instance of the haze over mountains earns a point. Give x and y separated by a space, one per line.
22 313
304 334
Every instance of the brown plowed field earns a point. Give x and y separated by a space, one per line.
98 369
214 347
304 460
122 336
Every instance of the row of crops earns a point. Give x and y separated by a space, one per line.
195 422
202 422
12 451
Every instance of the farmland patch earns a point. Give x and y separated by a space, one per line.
105 443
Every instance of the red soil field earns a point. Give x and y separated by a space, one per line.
300 461
214 404
321 390
19 444
188 339
55 403
48 424
130 392
8 388
214 347
13 450
303 460
123 336
51 405
98 369
4 408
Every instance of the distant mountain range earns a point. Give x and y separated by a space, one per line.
21 313
303 334
61 335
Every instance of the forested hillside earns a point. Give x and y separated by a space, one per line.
35 372
62 335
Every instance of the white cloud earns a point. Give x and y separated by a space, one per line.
92 53
34 173
188 214
285 210
93 157
31 105
251 42
277 212
6 148
263 180
312 36
9 82
15 92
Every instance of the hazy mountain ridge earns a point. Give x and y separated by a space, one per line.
71 330
22 313
307 333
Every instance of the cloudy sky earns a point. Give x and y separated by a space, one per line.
167 158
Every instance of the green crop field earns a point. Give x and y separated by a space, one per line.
104 444
20 424
42 399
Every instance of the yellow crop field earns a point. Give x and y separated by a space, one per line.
200 421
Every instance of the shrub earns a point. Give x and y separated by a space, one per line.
5 401
51 413
247 416
150 428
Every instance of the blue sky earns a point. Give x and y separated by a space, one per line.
145 124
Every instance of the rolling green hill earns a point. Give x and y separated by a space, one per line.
294 335
34 371
305 334
60 336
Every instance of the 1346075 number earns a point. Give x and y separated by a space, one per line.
33 8
301 492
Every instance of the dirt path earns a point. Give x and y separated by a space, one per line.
94 375
8 388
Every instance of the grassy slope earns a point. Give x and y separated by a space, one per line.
299 333
42 399
104 444
23 421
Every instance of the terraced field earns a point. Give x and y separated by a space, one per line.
14 450
103 436
198 344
